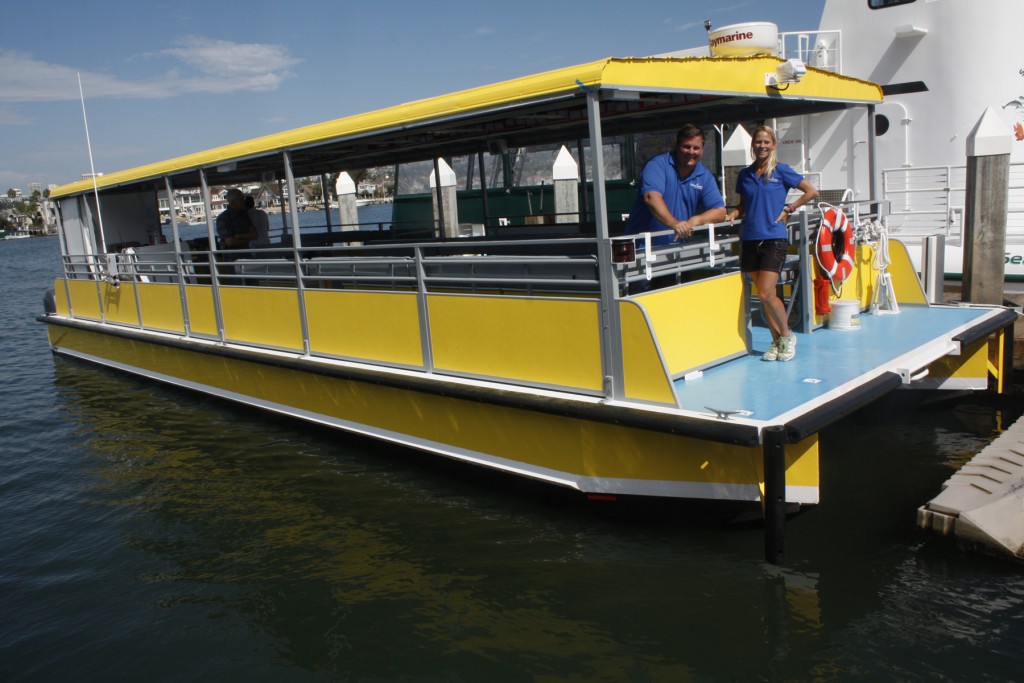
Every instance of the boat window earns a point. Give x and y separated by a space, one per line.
469 178
650 145
534 165
614 159
882 4
647 145
414 177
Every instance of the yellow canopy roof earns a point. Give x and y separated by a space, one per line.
709 78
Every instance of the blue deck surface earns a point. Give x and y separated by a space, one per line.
825 360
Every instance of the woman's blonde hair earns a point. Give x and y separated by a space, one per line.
772 161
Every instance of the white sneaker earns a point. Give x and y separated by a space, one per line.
787 347
773 351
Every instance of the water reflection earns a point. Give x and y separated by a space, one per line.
357 559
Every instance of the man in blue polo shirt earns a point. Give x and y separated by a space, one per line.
677 192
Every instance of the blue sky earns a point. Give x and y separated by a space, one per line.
164 79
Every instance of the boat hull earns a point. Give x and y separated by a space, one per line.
593 456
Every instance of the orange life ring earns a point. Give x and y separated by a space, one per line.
836 267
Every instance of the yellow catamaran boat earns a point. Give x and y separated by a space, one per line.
518 350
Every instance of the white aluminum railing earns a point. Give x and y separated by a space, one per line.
930 200
820 49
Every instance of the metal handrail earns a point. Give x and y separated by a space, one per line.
828 57
942 188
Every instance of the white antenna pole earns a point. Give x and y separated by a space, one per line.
92 167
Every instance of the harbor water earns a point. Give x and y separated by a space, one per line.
152 534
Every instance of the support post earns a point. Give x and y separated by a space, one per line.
611 330
566 174
293 197
284 214
1006 369
774 444
348 210
326 200
988 180
872 155
446 210
580 151
89 240
65 259
176 236
438 200
933 258
483 187
211 229
218 311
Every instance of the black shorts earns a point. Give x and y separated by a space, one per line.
763 255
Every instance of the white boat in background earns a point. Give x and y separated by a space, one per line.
940 63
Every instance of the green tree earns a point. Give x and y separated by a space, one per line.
11 194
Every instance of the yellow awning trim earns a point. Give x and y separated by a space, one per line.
727 77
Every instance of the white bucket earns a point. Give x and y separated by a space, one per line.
845 316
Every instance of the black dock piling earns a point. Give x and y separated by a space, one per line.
775 494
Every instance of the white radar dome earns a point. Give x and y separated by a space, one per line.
745 40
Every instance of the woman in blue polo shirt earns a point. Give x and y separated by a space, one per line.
762 188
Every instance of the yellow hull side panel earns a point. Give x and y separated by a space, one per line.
378 326
971 363
202 318
119 304
905 282
697 324
801 462
538 441
161 307
61 296
84 300
262 315
546 341
645 375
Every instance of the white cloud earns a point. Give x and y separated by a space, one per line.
9 116
229 66
206 66
24 79
686 26
730 8
483 30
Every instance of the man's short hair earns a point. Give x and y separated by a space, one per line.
691 131
234 193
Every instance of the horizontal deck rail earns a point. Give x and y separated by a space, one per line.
930 200
394 303
281 297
